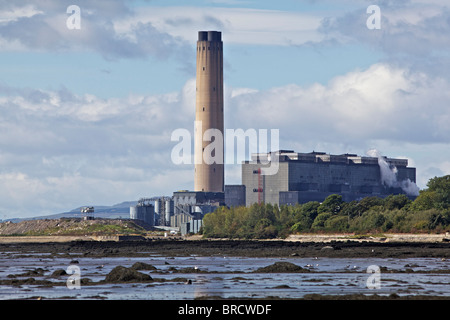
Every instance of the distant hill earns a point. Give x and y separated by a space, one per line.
117 211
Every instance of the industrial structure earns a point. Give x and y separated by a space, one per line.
209 115
164 210
87 213
299 178
304 177
185 209
144 210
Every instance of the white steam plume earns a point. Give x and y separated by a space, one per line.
389 175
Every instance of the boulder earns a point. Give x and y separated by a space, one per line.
142 266
281 267
123 274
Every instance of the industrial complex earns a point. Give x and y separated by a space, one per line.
304 177
300 177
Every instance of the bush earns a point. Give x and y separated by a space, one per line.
396 213
319 221
333 203
337 223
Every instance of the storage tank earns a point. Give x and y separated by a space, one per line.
149 214
158 211
169 210
143 212
158 206
133 212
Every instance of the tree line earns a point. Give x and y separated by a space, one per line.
429 212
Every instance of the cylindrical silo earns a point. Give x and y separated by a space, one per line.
169 210
158 211
133 212
149 217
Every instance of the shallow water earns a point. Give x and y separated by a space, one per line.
227 277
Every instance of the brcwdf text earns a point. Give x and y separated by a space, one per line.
235 147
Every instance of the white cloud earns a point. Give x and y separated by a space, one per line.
61 149
415 29
381 102
401 113
240 25
42 27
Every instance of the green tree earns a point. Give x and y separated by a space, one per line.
332 203
309 209
319 221
368 203
426 200
398 201
440 185
336 223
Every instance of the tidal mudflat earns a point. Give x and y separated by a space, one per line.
222 270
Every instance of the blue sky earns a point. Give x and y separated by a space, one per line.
86 115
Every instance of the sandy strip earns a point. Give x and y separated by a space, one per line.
319 238
389 237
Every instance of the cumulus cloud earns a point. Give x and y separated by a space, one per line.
413 34
42 26
60 149
381 102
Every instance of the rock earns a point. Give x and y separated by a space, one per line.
283 286
186 270
59 273
123 274
38 272
281 267
142 266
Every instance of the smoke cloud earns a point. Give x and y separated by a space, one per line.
389 175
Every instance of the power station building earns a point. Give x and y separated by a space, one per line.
298 178
304 177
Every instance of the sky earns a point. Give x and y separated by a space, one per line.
87 114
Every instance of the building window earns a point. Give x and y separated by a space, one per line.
203 68
203 108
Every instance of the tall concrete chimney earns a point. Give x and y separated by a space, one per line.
209 177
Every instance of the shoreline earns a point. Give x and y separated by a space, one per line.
308 237
297 246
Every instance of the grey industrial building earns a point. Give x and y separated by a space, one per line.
304 177
144 211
